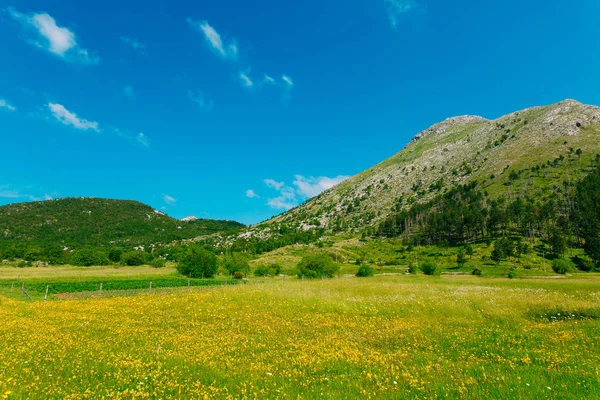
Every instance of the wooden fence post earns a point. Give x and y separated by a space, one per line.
150 287
24 292
46 295
100 291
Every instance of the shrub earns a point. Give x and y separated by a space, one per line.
262 271
235 262
430 268
89 257
512 274
561 266
275 269
477 272
365 271
582 264
412 269
317 265
115 255
159 262
197 263
238 275
134 258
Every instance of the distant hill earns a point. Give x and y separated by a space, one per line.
79 222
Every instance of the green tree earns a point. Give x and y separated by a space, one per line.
134 258
461 259
365 271
586 216
317 265
198 263
557 242
469 251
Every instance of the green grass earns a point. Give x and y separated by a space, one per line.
383 337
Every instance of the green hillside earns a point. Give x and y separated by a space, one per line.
80 222
455 152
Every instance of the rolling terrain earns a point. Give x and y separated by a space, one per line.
78 222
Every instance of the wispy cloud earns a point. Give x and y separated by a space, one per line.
245 80
128 91
269 80
397 8
43 32
139 47
274 184
6 105
303 188
287 90
143 140
170 200
311 187
287 80
251 194
285 201
199 99
67 117
7 193
227 50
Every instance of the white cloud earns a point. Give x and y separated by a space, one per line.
6 105
134 44
396 8
311 187
287 80
245 80
281 203
274 184
269 80
225 50
169 199
143 140
67 117
305 188
251 194
7 193
201 102
128 91
49 36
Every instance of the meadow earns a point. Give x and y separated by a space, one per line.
386 337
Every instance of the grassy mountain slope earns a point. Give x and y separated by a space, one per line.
457 151
77 222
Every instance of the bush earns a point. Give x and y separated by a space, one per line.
412 269
262 271
365 271
477 272
235 262
238 275
159 262
430 268
89 257
134 258
512 274
582 264
275 269
561 266
198 263
317 265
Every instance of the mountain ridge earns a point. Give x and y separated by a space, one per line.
456 150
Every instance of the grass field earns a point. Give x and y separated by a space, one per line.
385 337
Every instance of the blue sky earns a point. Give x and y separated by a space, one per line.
240 110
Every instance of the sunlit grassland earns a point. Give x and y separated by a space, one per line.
384 337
